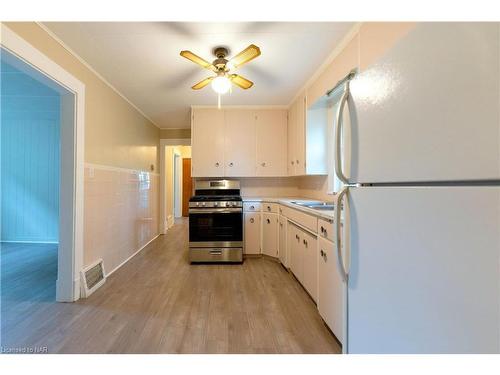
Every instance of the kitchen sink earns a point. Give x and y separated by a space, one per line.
324 206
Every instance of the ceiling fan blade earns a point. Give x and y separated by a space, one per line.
248 54
241 81
203 83
198 60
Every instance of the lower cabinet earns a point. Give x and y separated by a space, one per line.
310 258
330 288
270 233
251 232
303 249
283 256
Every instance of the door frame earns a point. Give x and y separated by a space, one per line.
70 249
163 176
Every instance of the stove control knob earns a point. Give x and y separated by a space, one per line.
216 204
229 204
203 203
197 204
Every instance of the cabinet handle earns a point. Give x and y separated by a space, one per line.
322 252
281 224
231 164
252 207
322 229
252 220
269 208
305 242
268 221
263 164
292 162
217 164
297 161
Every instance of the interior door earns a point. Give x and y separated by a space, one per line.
207 151
428 109
187 185
424 270
239 144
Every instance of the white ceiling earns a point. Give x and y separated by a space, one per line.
142 61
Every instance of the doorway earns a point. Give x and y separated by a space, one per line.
50 213
174 190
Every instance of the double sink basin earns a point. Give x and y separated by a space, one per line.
315 205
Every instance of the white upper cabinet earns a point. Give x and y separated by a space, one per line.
239 143
271 127
207 142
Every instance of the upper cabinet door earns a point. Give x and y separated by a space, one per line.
291 139
427 109
207 143
271 142
300 151
240 138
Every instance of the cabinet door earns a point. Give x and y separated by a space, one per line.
330 289
296 253
310 250
208 143
291 139
300 129
239 144
282 241
270 234
252 233
271 142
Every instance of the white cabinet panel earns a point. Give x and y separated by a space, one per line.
295 251
330 288
270 232
271 126
282 241
208 143
309 247
252 232
239 143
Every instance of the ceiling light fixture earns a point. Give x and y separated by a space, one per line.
221 84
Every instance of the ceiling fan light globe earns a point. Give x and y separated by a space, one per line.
221 85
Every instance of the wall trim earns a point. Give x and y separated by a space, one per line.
336 51
32 242
118 169
279 106
89 67
130 257
175 142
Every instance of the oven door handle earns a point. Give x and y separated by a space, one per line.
230 210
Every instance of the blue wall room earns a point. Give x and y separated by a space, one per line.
30 172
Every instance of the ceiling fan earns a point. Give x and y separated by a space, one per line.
221 82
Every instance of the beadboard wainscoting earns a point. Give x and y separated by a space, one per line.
121 213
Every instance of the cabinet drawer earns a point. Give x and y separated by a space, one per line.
307 221
270 207
326 229
251 206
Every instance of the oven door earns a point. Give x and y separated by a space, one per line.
215 227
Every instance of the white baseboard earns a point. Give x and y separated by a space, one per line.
130 257
41 242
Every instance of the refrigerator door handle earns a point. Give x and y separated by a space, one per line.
338 224
338 135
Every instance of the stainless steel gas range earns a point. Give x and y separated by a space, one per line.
216 222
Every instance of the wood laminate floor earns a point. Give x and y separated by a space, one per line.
159 303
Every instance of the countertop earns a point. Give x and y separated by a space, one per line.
287 201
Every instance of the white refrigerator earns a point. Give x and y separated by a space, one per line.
418 140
